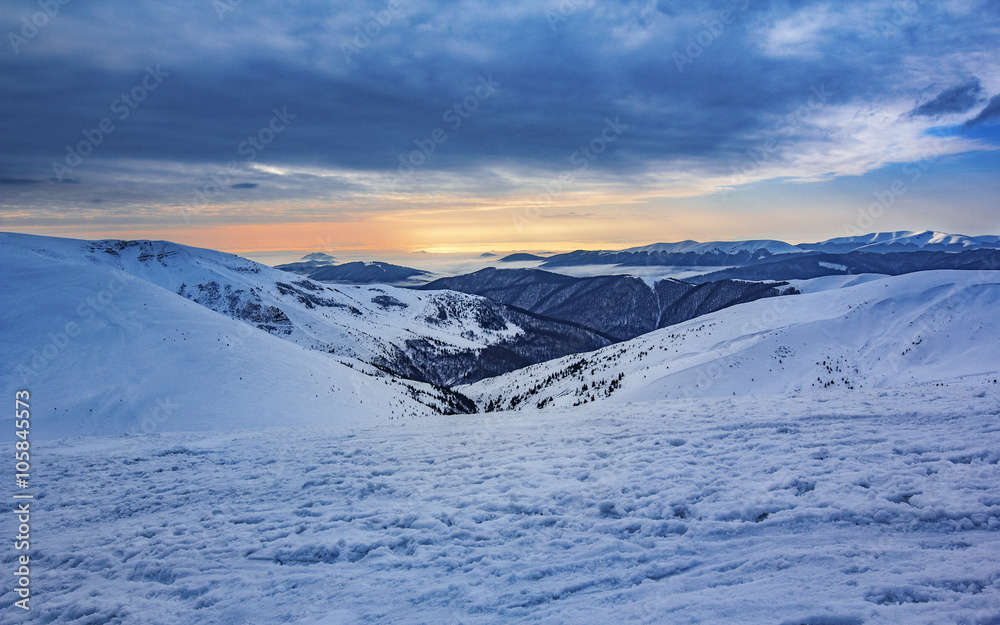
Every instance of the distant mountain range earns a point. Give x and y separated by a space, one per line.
718 247
733 253
881 252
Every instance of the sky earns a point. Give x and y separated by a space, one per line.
423 125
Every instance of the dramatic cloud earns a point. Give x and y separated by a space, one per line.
175 108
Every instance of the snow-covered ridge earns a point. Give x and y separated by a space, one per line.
917 328
880 242
377 324
718 253
904 241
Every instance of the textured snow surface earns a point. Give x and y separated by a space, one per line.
830 508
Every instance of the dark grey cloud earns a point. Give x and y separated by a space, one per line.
957 99
19 181
990 113
245 185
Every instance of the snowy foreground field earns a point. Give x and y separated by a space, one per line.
823 508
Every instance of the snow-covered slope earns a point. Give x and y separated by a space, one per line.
917 328
103 352
432 335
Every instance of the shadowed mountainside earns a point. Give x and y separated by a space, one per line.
618 306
